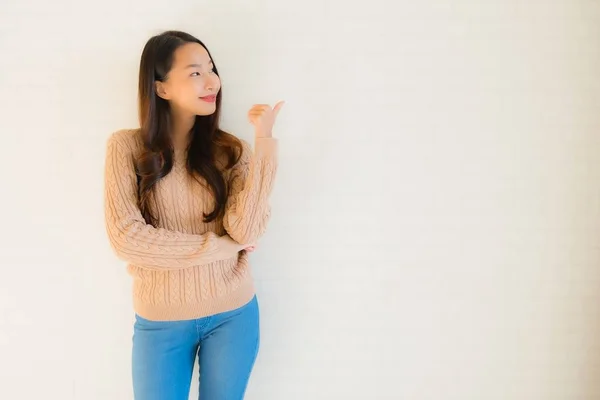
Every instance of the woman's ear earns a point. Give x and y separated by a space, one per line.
161 90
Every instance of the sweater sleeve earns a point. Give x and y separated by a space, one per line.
137 242
248 211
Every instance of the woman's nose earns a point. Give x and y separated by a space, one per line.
211 84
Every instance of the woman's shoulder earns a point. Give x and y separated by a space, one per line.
245 148
241 152
126 139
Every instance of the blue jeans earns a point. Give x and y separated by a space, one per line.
164 353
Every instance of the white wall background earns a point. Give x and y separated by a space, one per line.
436 220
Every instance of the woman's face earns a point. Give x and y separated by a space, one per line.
191 85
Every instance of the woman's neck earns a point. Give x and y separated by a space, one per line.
181 128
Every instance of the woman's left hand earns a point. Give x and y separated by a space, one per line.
262 116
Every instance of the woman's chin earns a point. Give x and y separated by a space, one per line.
205 111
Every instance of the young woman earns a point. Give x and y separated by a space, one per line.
185 203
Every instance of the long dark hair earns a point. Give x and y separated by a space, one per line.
207 140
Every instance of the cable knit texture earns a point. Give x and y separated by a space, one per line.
184 268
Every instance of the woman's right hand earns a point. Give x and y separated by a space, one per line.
251 248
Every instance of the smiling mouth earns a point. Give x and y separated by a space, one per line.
211 99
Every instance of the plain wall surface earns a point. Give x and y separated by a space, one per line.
436 216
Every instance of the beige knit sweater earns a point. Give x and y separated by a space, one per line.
184 268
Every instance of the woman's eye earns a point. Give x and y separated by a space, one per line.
212 71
